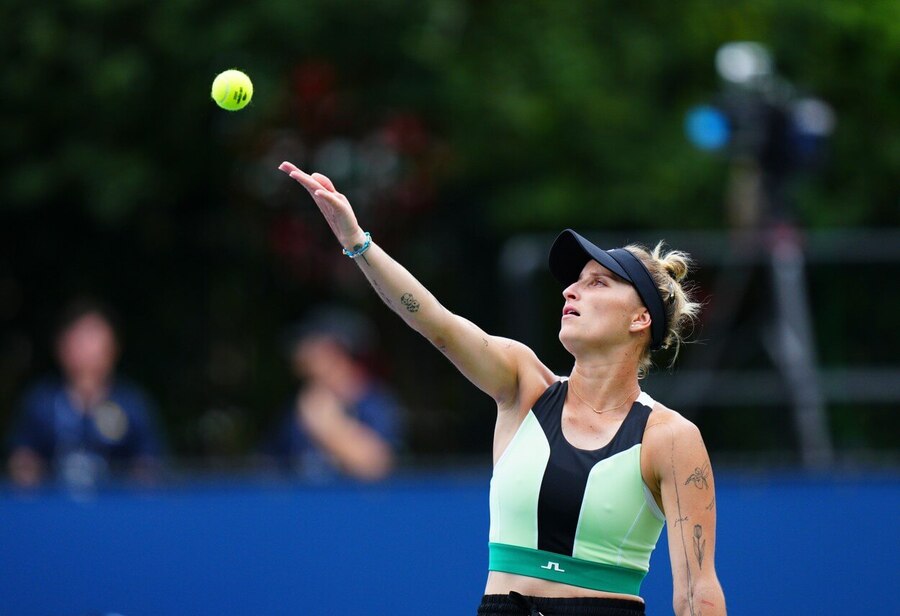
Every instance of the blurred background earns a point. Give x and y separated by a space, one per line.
762 137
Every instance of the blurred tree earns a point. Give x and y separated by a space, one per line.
118 176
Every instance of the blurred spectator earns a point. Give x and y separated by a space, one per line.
87 422
342 419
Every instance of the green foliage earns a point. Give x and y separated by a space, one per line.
560 111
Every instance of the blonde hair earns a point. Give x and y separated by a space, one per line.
668 270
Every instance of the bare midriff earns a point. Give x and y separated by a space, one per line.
500 583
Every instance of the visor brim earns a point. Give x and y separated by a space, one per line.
571 252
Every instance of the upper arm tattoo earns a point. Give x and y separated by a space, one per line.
698 532
700 477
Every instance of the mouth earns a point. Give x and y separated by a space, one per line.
568 311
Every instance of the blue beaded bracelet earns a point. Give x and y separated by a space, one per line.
355 253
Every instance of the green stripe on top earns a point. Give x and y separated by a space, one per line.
516 486
616 526
564 569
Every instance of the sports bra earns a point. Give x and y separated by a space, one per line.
570 515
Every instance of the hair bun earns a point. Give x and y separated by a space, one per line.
669 269
676 265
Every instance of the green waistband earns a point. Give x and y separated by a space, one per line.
564 569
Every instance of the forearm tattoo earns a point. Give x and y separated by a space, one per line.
699 544
679 521
411 303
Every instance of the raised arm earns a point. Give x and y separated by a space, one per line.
495 365
685 482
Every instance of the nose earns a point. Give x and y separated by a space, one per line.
570 292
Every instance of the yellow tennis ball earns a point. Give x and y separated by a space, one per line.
232 90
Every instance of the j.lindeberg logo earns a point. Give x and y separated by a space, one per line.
552 566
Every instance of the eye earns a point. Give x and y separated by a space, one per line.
598 282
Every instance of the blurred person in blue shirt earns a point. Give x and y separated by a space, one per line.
87 423
342 420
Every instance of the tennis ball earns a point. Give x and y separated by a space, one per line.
232 90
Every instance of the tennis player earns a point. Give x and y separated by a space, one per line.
588 468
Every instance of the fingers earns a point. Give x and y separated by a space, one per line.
320 189
301 177
334 199
287 167
312 183
324 181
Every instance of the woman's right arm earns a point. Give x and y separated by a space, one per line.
493 364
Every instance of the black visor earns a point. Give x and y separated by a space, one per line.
569 254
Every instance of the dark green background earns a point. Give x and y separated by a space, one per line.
120 178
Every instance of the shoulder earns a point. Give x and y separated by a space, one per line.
530 366
532 376
40 394
522 354
668 430
131 396
671 442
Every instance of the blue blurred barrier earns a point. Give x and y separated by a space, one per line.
416 545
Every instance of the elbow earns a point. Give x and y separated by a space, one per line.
680 604
26 468
374 466
705 597
439 342
438 330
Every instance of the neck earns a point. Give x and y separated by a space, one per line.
87 392
602 384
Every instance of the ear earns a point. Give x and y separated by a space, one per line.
640 321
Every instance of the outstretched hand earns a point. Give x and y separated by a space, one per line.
334 206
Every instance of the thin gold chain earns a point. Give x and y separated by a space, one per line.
572 387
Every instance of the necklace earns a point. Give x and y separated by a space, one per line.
601 411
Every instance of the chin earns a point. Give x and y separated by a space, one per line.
575 341
568 341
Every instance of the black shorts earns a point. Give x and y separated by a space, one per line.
515 604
